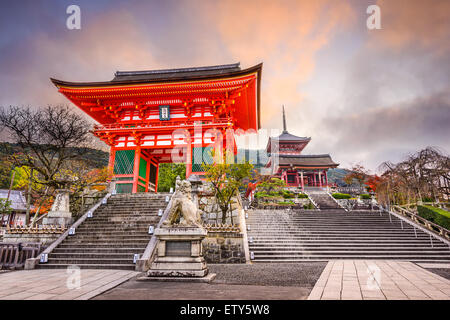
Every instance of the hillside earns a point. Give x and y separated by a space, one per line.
96 158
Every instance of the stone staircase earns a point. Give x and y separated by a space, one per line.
109 239
280 236
324 200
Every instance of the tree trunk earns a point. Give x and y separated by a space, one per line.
9 193
27 216
224 214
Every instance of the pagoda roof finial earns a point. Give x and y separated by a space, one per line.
284 121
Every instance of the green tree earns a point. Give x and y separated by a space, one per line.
272 186
167 175
226 178
6 166
5 208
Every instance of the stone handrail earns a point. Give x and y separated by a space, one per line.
32 262
442 232
335 200
310 199
243 226
14 255
144 262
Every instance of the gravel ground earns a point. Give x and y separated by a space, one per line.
445 273
303 274
268 281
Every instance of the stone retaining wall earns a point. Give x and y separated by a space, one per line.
221 247
211 213
44 239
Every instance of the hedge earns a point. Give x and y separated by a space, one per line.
302 196
436 215
288 194
365 196
341 196
284 203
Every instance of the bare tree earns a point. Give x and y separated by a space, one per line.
48 138
424 174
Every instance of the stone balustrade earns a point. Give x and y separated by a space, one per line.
44 229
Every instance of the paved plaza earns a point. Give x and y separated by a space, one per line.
337 279
379 280
59 284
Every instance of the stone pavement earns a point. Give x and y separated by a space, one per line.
59 284
378 280
154 290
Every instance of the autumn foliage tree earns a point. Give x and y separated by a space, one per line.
226 178
357 173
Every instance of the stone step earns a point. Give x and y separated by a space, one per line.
129 266
101 261
323 230
354 252
91 255
141 229
109 237
299 238
104 244
321 241
97 250
313 259
330 246
113 234
405 233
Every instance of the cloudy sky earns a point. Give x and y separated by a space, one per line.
364 96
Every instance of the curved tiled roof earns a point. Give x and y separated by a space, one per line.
17 199
176 73
313 160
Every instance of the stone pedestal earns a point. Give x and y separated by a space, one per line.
60 213
179 253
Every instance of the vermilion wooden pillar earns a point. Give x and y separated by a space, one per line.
188 159
112 156
320 178
303 182
156 180
137 157
147 174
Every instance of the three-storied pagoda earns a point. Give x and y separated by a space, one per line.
172 115
294 168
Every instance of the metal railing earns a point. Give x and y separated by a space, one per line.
437 229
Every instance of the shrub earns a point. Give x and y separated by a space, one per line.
427 199
436 215
287 194
308 206
286 203
302 196
261 194
341 196
366 196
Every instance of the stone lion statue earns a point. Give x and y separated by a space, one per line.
182 206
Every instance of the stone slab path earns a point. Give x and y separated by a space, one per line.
60 284
378 280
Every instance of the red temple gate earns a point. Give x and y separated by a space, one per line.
164 116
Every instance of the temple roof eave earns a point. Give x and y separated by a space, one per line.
230 72
60 83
